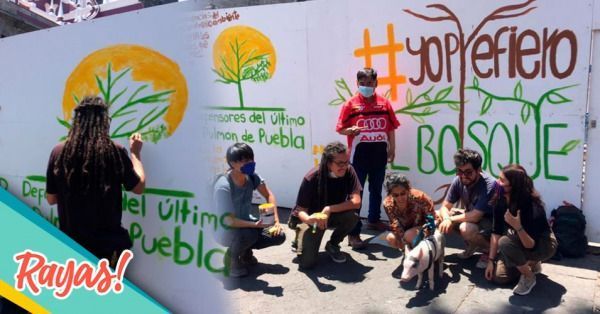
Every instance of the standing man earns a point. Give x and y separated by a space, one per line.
85 176
369 122
328 197
471 191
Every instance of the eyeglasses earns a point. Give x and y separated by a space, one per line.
466 173
341 163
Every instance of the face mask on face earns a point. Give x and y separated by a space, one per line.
248 168
332 175
366 91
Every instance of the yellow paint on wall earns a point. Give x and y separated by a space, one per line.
146 65
251 42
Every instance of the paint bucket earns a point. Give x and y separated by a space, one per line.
267 211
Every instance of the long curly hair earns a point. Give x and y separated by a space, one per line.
89 158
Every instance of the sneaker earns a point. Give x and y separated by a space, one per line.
294 246
378 225
524 286
356 243
483 261
536 268
334 253
248 259
468 252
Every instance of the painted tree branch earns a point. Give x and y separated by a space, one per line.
497 16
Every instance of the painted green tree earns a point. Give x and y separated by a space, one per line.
125 112
242 63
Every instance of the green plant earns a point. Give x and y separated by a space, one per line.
152 106
244 65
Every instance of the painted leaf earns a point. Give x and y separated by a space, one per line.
556 98
454 106
426 96
475 82
486 105
525 113
442 94
418 119
518 92
336 102
426 110
63 123
569 146
388 93
340 83
409 97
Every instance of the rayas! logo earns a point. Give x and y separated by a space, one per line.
372 124
35 272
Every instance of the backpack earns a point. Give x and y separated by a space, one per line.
569 228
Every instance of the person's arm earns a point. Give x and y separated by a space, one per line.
444 214
395 225
135 149
489 270
342 127
391 153
51 198
473 216
224 205
515 222
351 204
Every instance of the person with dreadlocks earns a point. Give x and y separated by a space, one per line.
328 197
84 177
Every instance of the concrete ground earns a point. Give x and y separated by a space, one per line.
369 283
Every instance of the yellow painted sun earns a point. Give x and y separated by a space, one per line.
147 65
239 46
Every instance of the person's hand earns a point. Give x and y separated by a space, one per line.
445 226
354 130
513 221
276 230
320 219
326 210
489 270
388 202
391 154
135 143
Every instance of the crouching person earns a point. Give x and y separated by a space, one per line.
233 194
407 209
328 197
521 234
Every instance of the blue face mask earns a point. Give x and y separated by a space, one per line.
366 91
248 168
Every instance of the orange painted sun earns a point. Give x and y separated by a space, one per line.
147 66
238 47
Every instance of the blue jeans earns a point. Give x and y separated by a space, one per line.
370 161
